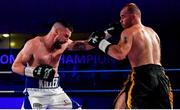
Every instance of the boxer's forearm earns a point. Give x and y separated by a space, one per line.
80 45
116 52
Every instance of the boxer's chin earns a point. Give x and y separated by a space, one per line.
56 45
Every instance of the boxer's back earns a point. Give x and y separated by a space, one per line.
145 47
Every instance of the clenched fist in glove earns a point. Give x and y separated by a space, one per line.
43 72
97 39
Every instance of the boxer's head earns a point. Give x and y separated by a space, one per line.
61 31
129 14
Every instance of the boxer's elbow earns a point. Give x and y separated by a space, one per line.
17 68
120 56
117 55
14 68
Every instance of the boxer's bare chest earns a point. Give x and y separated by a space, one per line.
42 55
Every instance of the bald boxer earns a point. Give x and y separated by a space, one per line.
148 86
39 60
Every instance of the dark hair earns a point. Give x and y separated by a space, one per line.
133 8
65 24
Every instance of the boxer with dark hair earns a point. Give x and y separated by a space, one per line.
39 61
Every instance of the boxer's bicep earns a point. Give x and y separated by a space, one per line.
125 44
21 59
26 53
121 50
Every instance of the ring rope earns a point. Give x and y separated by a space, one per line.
98 71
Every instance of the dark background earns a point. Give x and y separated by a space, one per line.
35 16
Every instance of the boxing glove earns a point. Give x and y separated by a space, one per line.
114 29
97 39
43 72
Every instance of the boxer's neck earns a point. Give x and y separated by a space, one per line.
47 40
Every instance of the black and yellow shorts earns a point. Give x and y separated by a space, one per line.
150 88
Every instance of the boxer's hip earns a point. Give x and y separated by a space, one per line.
36 87
42 84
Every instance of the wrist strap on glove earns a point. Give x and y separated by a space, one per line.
29 71
103 45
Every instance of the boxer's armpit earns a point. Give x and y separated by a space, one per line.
125 39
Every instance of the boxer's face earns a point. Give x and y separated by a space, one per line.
126 18
62 34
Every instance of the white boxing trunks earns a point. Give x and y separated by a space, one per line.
41 94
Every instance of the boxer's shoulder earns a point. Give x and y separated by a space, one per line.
34 42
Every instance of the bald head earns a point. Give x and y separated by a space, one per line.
132 8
